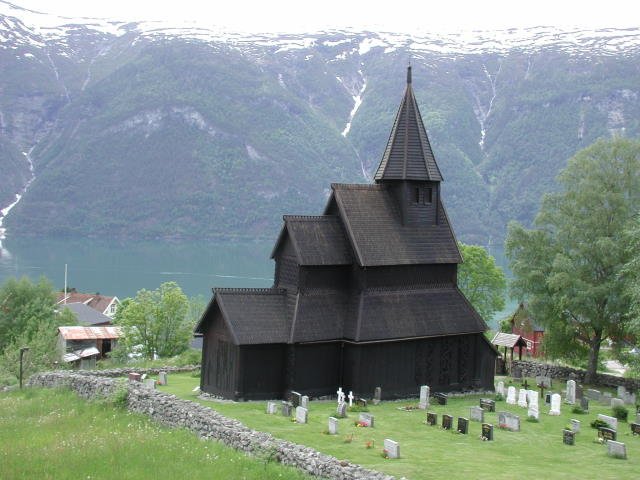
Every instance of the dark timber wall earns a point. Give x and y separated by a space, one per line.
220 356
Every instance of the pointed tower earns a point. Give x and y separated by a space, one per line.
408 165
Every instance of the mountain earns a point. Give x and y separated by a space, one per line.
147 130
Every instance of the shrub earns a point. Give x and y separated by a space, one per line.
578 410
598 424
620 412
499 397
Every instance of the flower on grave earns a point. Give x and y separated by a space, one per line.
360 424
370 444
385 453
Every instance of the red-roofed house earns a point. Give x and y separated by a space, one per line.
103 304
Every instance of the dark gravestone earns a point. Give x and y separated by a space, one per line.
377 395
361 402
432 418
295 398
584 404
488 404
441 398
635 428
463 425
607 434
287 407
547 398
447 422
568 437
579 391
487 431
517 372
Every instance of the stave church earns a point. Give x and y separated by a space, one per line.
365 295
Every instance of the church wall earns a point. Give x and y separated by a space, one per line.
331 277
263 372
404 276
317 368
220 357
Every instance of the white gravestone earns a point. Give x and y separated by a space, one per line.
366 419
162 378
340 395
616 449
500 388
272 408
555 404
533 397
617 402
333 426
351 397
304 401
571 392
575 425
533 412
392 448
522 398
511 395
476 414
611 421
621 391
424 397
301 414
150 383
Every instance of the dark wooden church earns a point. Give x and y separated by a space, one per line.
364 295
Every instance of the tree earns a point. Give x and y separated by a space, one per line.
569 267
157 320
481 280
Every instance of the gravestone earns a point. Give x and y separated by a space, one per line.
463 425
568 437
611 421
579 392
621 391
150 383
295 398
616 449
607 434
287 408
135 377
584 404
361 402
629 398
447 422
488 404
301 414
547 398
555 404
635 428
476 414
350 397
441 398
340 394
341 411
543 382
424 397
570 397
487 431
500 388
304 402
366 419
377 395
392 448
533 412
333 426
517 372
162 378
143 377
511 395
272 408
432 418
617 402
509 421
575 425
522 398
605 398
592 394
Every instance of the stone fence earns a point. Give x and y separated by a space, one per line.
533 369
205 422
123 372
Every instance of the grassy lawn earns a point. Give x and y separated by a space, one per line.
536 451
53 434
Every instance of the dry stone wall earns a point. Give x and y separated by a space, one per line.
207 423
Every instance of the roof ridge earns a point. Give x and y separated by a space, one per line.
256 291
360 186
309 217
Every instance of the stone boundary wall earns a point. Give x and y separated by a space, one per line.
207 423
533 369
123 372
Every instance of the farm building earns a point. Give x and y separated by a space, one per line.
364 295
82 346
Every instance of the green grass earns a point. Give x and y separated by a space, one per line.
536 451
53 434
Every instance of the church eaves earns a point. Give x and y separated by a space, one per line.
408 155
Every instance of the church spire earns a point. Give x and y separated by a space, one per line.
408 155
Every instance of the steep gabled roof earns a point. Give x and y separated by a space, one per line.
86 315
373 224
317 240
408 155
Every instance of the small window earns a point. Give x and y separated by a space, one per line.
417 193
428 197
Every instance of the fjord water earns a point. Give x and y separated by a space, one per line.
122 268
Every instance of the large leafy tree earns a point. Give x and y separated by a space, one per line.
481 280
570 265
157 320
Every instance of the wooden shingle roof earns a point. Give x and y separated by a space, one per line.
373 224
408 155
509 340
319 316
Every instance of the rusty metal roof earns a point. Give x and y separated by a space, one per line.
79 354
509 340
89 333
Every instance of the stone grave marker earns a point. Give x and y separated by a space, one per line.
522 398
555 404
487 431
488 404
432 418
424 397
511 395
533 412
272 408
605 398
340 394
441 398
304 401
287 408
543 382
500 388
295 398
616 449
476 414
547 398
463 425
350 397
579 392
584 404
341 411
162 378
568 437
135 377
575 425
333 426
635 428
366 419
621 391
611 421
607 434
570 397
629 398
361 402
301 414
592 394
150 383
509 421
447 422
392 448
377 395
617 402
517 372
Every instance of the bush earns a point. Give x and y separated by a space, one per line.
620 412
578 410
499 397
599 424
